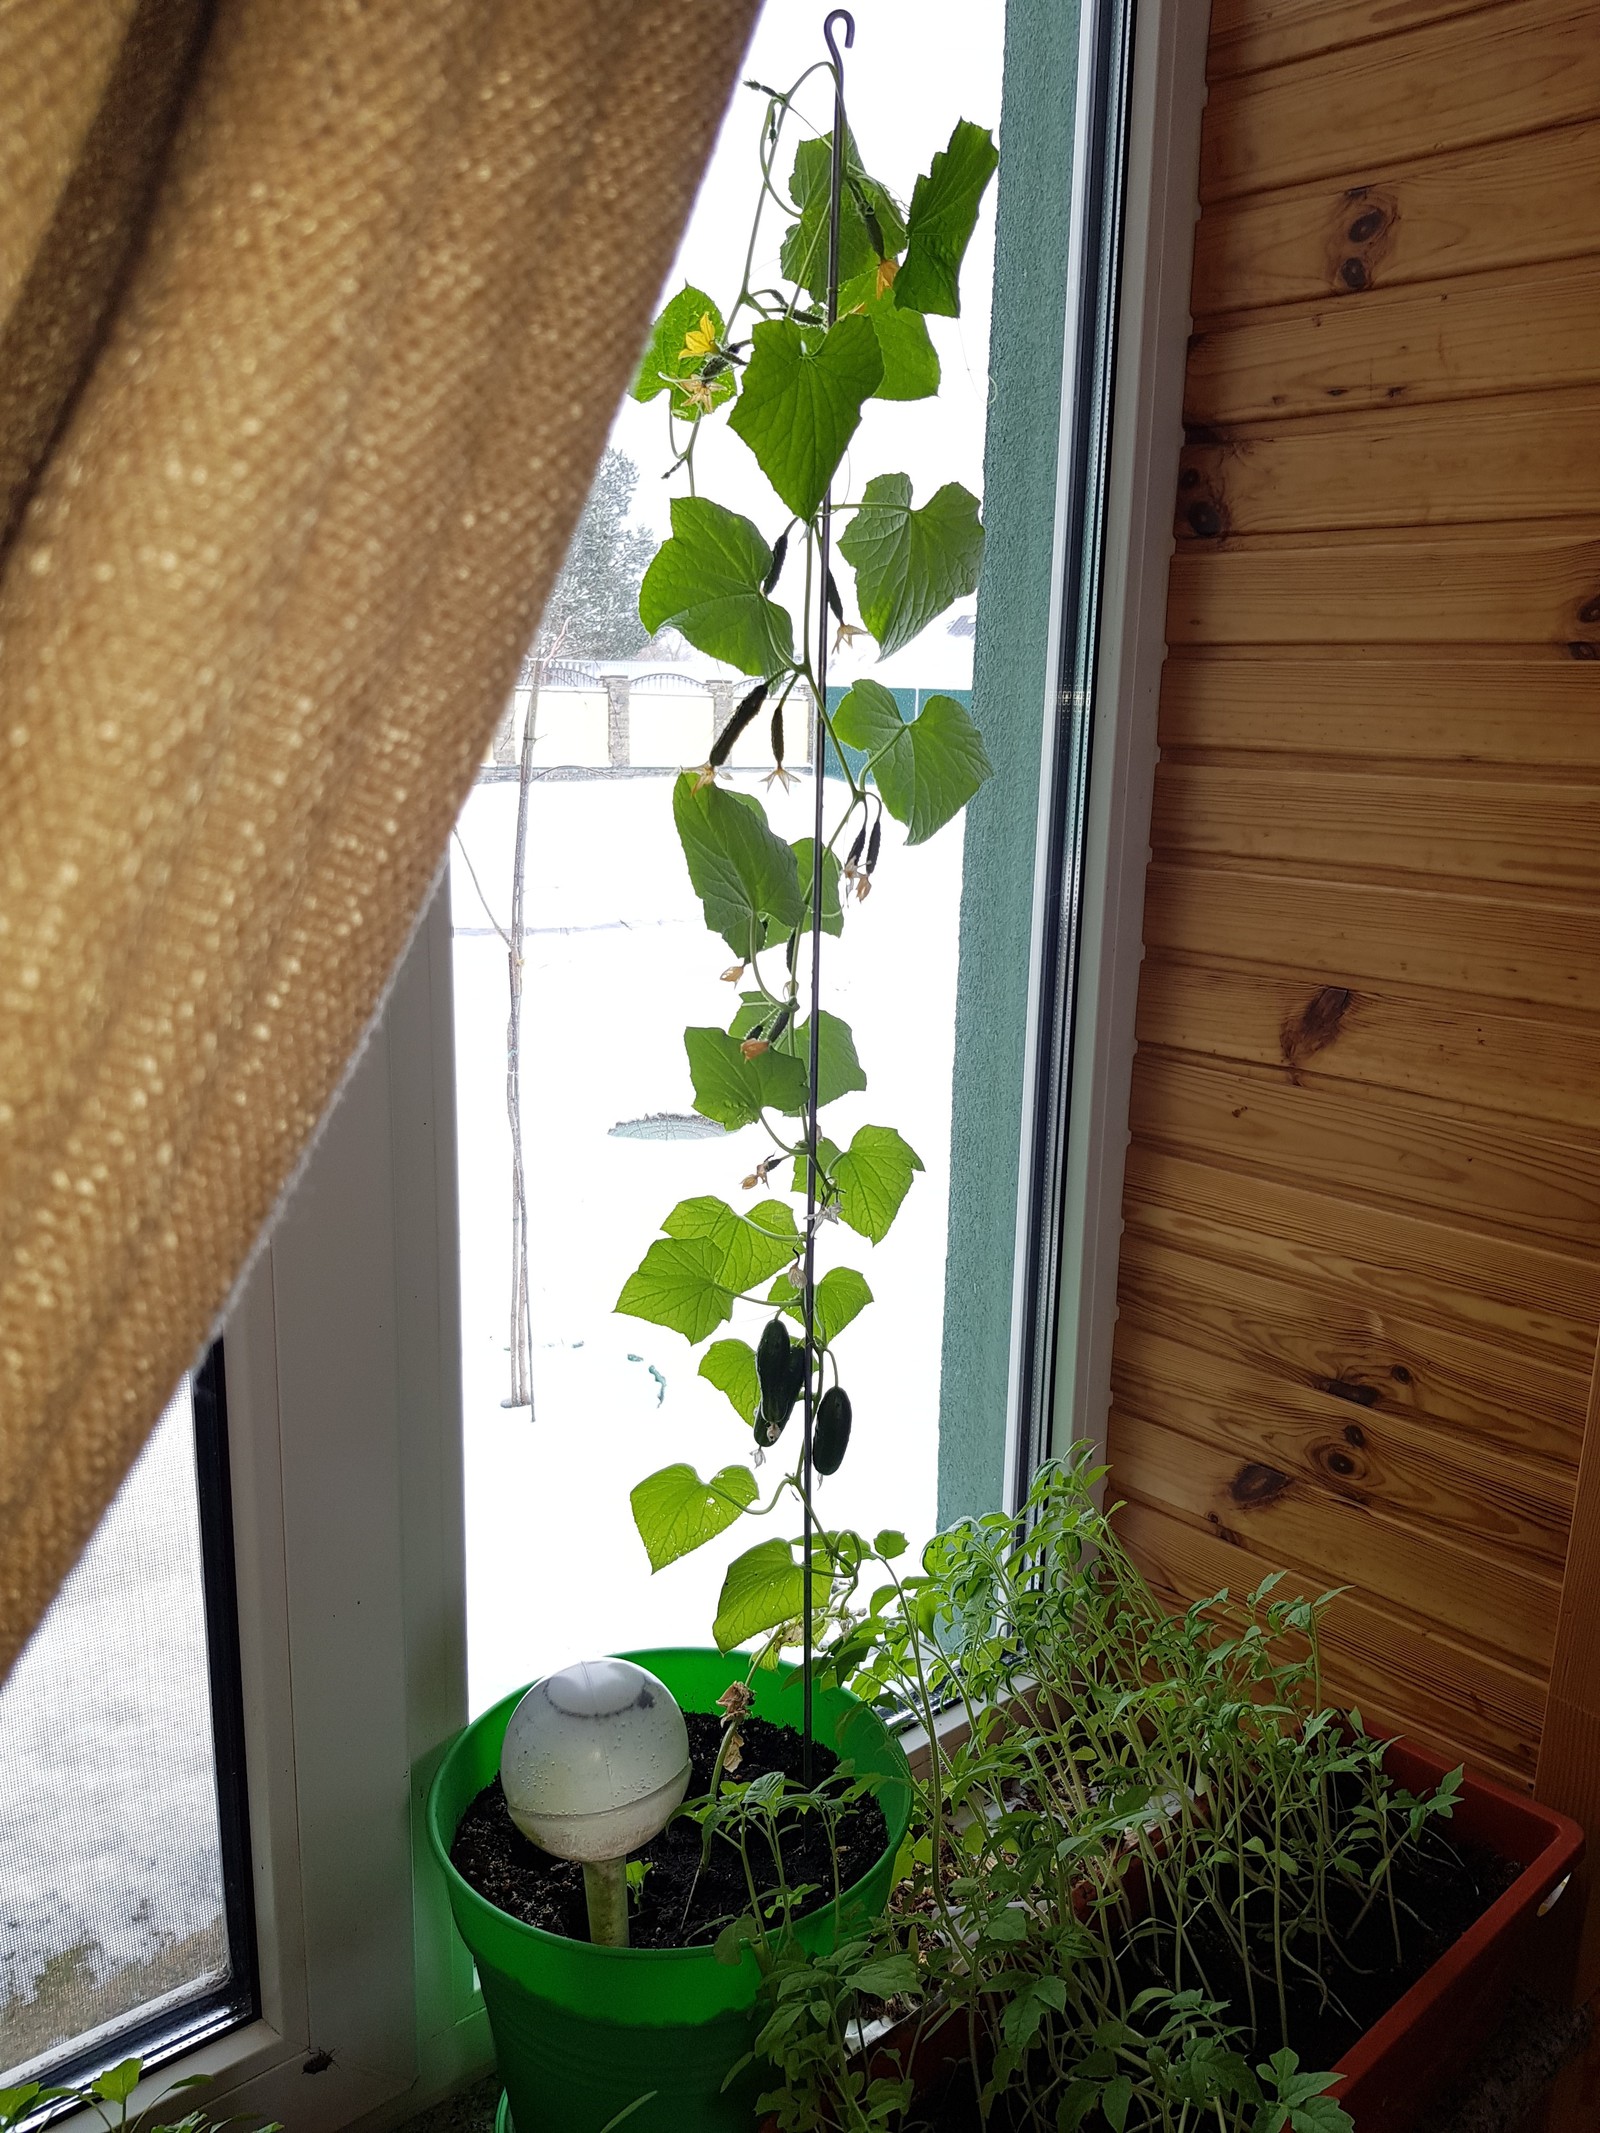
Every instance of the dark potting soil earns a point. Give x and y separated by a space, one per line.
1441 1888
682 1904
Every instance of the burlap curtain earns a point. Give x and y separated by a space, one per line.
313 315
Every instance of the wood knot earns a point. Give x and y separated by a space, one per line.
1353 273
1400 1374
1350 1389
1590 610
1256 1484
1366 226
1356 1435
1206 522
1315 1026
1580 648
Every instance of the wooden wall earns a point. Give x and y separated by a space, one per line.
1360 1277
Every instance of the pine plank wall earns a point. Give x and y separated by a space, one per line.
1360 1277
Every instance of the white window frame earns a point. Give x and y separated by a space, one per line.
1166 101
342 1347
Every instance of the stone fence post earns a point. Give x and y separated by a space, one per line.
618 742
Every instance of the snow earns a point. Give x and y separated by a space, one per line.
617 963
109 1848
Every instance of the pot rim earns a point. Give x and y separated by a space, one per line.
461 1890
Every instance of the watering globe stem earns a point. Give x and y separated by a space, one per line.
605 1891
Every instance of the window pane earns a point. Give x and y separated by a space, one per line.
616 962
110 1854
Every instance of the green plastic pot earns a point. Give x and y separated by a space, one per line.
581 2032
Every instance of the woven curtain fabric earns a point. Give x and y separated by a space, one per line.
313 316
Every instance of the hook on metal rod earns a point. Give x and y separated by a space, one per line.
840 14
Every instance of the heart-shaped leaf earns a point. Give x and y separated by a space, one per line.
944 210
742 871
873 1176
751 1247
910 360
676 1512
910 564
734 1090
731 1367
927 768
832 905
706 581
678 1284
762 1588
804 256
683 341
802 401
842 1294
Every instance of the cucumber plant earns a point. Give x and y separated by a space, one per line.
794 367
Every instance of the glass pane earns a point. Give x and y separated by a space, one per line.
616 961
111 1877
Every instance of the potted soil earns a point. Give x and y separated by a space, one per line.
583 2032
1158 1883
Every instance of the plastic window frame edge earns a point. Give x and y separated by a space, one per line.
342 1359
1060 1394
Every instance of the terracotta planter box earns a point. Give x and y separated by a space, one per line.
1431 2033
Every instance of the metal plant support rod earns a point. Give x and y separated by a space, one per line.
840 18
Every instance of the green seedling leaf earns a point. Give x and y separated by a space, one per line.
735 1090
731 1367
802 400
1116 2099
750 1247
678 1284
927 768
706 581
686 334
873 1176
804 257
762 1588
742 871
889 1544
944 211
910 360
118 2083
676 1512
910 564
885 1977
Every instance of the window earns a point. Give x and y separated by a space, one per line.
616 961
124 1922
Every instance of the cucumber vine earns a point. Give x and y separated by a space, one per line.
792 368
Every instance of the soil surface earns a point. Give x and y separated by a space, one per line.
684 1902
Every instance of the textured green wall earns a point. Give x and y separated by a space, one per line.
1009 683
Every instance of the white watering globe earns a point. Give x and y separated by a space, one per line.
595 1762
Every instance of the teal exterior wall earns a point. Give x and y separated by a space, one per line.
1009 684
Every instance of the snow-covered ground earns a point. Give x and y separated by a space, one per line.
617 963
110 1862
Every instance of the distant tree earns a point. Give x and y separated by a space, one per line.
593 610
